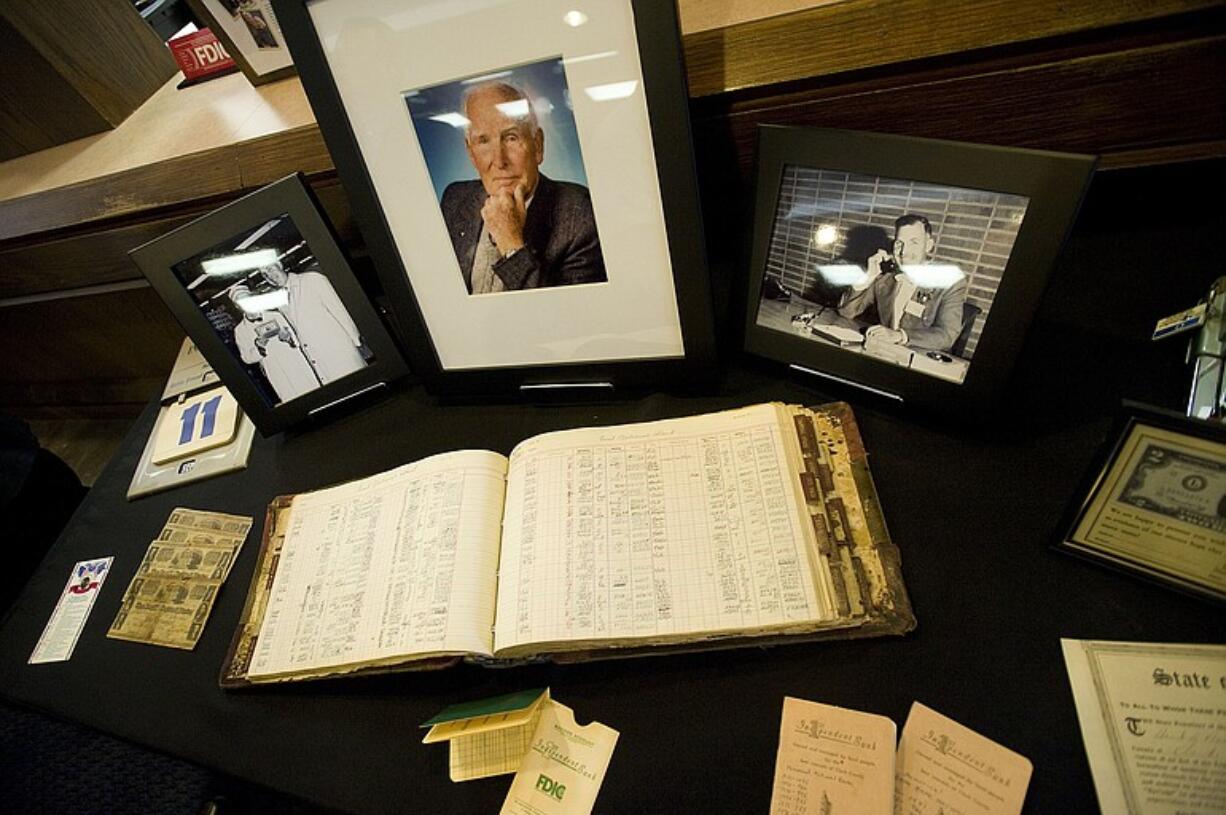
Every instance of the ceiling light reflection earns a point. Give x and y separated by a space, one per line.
234 264
842 274
515 109
453 119
933 275
614 90
257 303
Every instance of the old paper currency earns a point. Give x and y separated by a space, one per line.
1161 507
1179 484
200 537
171 596
165 611
833 760
216 521
187 561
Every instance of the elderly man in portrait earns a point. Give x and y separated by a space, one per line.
918 304
515 228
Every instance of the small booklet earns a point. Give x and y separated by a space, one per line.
746 526
834 761
489 736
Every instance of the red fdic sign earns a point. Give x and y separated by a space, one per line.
200 55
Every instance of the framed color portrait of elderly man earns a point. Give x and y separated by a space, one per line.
522 173
266 294
909 267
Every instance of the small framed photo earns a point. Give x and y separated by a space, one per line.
522 173
1154 502
264 290
908 267
251 34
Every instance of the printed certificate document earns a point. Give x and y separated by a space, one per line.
1153 719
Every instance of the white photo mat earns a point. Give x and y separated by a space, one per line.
377 50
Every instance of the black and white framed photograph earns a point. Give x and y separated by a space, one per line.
251 34
263 289
1153 503
909 267
523 175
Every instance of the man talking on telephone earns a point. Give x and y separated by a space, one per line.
918 304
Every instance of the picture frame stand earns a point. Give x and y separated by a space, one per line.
568 392
349 400
842 381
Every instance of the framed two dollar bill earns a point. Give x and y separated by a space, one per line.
1155 502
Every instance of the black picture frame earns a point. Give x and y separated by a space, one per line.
290 196
236 52
658 39
1105 471
1053 183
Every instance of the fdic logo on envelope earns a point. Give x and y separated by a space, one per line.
550 787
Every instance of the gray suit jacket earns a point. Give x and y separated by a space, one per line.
561 247
938 326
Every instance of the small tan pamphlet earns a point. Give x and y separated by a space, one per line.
833 760
945 767
562 771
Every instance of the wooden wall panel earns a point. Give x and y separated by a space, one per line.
30 86
86 350
1134 102
95 257
88 259
103 48
852 36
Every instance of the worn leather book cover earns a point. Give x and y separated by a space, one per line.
860 563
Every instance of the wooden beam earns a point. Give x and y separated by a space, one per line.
861 34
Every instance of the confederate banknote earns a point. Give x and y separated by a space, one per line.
187 560
165 611
216 521
199 537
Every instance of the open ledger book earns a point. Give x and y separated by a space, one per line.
725 529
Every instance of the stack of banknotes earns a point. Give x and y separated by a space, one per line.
170 598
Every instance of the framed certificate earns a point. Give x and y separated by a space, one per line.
521 171
1155 502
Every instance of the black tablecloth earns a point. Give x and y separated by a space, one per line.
972 514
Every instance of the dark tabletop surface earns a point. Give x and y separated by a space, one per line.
972 511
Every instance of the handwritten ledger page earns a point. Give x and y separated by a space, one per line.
342 595
657 531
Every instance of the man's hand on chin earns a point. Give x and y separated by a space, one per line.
504 213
